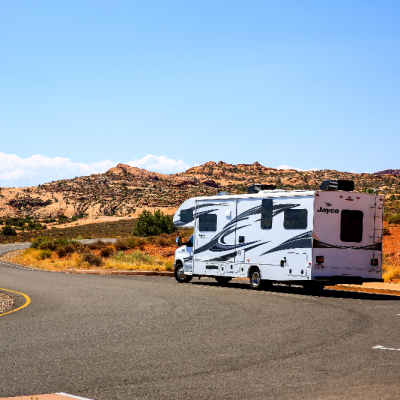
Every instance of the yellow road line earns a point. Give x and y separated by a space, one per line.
28 300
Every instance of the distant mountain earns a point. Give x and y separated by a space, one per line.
124 190
388 171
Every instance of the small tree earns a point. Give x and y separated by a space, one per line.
149 224
8 230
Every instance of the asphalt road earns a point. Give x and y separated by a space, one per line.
134 337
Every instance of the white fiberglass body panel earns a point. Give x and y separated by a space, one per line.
348 234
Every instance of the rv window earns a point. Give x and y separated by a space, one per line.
295 219
351 226
186 215
266 214
208 222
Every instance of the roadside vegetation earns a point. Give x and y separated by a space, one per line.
391 247
111 229
146 252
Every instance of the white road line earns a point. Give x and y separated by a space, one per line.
385 348
72 396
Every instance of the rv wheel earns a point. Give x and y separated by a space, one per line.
255 279
180 275
222 280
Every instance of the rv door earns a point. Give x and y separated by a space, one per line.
215 234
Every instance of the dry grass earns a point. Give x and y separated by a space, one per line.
391 256
121 261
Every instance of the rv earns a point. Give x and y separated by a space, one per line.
310 238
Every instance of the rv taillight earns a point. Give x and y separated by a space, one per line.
320 259
374 262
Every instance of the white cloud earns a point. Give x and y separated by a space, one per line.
283 166
17 171
160 164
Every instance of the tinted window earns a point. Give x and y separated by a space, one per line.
186 215
266 214
208 222
351 226
295 219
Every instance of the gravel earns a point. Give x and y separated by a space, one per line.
6 302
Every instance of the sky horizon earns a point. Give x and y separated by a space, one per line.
37 169
166 86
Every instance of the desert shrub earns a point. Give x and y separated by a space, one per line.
44 254
62 219
136 257
386 231
48 245
121 244
69 249
39 240
61 252
149 224
393 218
8 230
92 259
106 251
169 266
162 240
97 245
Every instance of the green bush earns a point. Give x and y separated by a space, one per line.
44 254
393 218
149 224
48 245
8 230
39 240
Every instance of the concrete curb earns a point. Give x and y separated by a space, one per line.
360 289
96 272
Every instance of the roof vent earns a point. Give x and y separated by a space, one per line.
223 194
257 188
337 184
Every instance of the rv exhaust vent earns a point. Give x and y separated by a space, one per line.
257 188
337 184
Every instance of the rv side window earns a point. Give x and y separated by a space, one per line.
186 215
208 222
295 219
351 226
266 214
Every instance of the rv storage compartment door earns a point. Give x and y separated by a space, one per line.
296 263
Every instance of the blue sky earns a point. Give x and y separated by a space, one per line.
169 84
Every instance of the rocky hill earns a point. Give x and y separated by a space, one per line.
388 171
125 190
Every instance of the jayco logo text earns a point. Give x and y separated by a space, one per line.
328 210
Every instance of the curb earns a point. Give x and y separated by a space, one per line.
96 272
391 292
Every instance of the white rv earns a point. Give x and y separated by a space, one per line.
311 238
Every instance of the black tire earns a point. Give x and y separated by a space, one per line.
313 288
180 274
256 282
223 280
